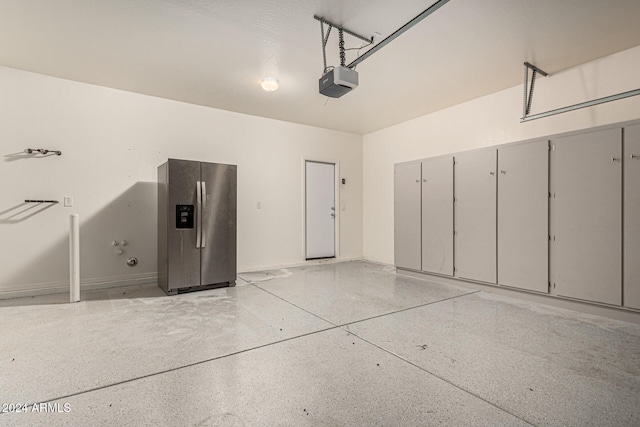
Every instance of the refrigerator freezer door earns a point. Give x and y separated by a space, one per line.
218 253
183 255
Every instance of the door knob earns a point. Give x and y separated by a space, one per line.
333 215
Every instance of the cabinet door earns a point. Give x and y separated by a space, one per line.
632 216
523 216
475 215
407 216
588 211
437 215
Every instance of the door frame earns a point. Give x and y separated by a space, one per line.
336 203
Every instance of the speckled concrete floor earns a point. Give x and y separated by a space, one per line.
337 344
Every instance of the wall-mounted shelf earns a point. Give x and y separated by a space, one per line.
41 201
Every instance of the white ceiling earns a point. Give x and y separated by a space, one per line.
214 52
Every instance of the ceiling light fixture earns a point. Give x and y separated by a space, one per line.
270 84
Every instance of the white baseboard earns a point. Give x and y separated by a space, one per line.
85 285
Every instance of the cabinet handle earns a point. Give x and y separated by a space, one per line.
492 173
417 180
635 156
503 172
615 159
424 180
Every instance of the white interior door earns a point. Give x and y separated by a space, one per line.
320 209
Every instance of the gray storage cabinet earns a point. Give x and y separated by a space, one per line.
475 215
437 215
558 216
407 216
588 214
632 216
523 216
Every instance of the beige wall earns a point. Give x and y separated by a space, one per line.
487 121
112 142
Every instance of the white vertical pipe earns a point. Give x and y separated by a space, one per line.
74 257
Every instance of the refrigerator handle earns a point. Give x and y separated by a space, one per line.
198 213
204 209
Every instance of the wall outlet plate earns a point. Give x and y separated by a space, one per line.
68 202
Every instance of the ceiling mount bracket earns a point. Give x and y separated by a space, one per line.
325 39
528 91
528 95
341 32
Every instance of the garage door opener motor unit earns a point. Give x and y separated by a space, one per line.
338 81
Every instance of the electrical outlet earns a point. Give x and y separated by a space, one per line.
68 202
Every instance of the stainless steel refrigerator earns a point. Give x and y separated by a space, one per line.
196 225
